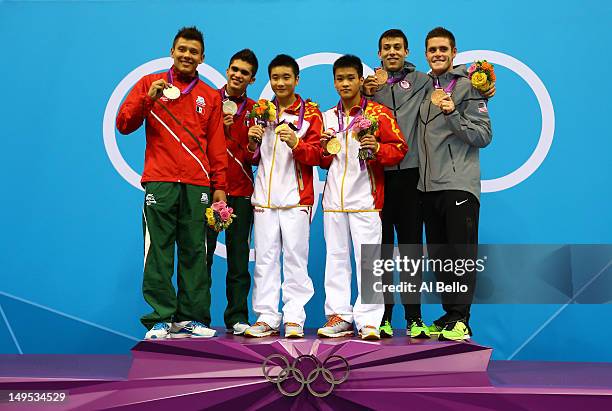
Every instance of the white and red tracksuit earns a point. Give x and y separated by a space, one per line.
283 199
172 154
352 201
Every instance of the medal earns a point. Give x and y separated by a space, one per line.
440 93
333 146
437 96
381 76
229 107
172 92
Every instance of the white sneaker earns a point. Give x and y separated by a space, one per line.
191 329
293 330
238 329
369 332
335 327
260 329
159 331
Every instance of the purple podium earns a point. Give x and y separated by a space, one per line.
230 373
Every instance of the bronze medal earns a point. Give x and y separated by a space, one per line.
381 76
437 96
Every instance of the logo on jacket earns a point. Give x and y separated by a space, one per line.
482 107
200 101
150 199
204 198
405 84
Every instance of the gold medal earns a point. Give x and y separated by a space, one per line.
437 96
280 128
381 76
333 146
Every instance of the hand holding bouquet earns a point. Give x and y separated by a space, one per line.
219 216
365 125
482 75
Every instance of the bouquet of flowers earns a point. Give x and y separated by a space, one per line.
482 74
364 124
219 216
263 112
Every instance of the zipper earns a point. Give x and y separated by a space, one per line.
425 144
272 168
394 112
451 156
345 164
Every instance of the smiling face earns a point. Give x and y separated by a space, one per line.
283 81
440 54
392 53
347 83
239 75
187 55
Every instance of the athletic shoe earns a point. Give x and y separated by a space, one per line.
417 329
260 329
435 329
237 329
335 327
386 331
456 331
191 329
293 330
369 332
159 331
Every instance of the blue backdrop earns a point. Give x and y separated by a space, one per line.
71 263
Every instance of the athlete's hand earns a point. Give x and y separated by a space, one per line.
228 119
288 137
369 141
447 105
370 85
219 195
155 91
490 92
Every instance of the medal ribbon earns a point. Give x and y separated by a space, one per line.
340 110
224 97
300 116
448 89
189 87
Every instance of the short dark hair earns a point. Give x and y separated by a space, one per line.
283 60
189 33
248 56
349 61
392 33
440 32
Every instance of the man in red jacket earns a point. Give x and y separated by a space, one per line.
236 105
185 155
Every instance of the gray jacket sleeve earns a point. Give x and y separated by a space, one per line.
470 121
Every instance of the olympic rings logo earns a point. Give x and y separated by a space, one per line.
292 371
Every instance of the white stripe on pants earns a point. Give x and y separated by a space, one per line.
363 228
289 230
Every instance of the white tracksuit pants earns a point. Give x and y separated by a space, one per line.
340 228
289 230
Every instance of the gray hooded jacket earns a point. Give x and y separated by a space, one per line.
404 99
449 144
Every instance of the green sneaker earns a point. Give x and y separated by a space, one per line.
435 329
386 331
455 332
417 329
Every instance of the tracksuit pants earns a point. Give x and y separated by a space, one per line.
451 219
340 229
286 230
403 213
237 245
173 213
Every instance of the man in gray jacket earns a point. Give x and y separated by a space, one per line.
453 125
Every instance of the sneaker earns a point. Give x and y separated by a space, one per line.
237 329
335 327
369 332
191 329
417 329
456 331
434 329
159 331
293 330
260 329
386 331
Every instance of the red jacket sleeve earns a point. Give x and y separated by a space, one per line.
326 160
216 149
392 145
308 149
134 109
